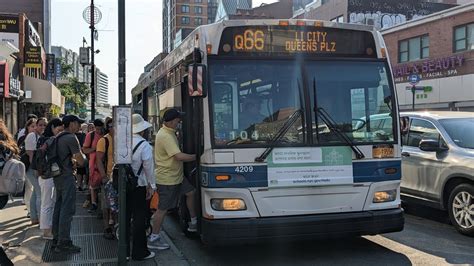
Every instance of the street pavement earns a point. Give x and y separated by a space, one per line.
24 246
426 240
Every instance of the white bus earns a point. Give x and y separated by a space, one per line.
285 128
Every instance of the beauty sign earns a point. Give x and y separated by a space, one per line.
309 166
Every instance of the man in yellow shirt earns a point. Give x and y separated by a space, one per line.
105 165
170 177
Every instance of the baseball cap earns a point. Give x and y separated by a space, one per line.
67 119
172 114
98 122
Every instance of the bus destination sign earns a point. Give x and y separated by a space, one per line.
309 40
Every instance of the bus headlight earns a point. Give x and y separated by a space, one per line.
228 204
385 196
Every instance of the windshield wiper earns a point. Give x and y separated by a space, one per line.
332 126
281 133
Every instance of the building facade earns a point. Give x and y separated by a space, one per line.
68 57
380 13
102 95
439 50
38 11
180 17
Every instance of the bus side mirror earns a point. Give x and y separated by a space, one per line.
197 80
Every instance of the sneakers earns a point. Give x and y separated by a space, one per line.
86 204
155 242
192 227
93 208
150 256
70 248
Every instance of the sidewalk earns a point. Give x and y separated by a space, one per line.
24 246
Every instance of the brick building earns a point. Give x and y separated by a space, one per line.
181 17
439 48
380 13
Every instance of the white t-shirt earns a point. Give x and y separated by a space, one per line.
21 133
30 141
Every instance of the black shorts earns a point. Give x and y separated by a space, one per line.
169 194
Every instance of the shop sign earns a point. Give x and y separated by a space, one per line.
50 68
432 68
9 29
4 76
33 57
14 87
32 34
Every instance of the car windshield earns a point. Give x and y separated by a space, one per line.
460 130
252 100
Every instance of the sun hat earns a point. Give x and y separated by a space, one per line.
139 124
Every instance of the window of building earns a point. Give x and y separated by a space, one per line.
184 20
197 1
198 21
338 19
184 9
198 10
464 38
414 49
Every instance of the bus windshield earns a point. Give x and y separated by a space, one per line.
252 100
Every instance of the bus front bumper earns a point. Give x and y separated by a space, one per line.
226 231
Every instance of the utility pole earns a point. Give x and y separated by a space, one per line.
92 27
122 248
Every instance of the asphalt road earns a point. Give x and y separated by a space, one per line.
426 240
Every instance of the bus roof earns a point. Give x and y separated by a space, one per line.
206 34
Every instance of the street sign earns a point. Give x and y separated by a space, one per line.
414 79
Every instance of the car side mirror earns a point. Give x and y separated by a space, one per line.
431 145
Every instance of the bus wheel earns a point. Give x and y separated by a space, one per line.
461 208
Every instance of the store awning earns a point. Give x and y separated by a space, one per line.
41 91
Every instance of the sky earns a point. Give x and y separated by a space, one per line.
142 33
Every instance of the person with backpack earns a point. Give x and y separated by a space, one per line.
64 154
81 171
48 195
140 190
31 144
89 148
105 165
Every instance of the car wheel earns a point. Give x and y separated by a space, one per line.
461 208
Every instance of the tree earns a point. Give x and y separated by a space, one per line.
76 94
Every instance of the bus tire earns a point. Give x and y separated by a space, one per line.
460 205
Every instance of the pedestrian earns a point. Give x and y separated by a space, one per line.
81 171
105 165
170 177
30 126
137 209
90 127
23 131
89 149
69 153
31 144
48 194
8 148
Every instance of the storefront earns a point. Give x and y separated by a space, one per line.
9 85
436 55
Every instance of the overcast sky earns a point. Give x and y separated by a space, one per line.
143 35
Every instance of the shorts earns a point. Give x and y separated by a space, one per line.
169 194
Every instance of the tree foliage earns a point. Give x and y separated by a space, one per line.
76 94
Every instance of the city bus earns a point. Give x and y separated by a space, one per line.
284 116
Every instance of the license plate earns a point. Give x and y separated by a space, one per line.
383 152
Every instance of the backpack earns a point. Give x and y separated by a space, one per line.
131 177
39 157
53 165
12 180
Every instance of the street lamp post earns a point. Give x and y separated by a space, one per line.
92 15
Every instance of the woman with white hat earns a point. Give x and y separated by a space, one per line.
143 167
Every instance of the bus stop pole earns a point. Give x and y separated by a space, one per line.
413 90
122 245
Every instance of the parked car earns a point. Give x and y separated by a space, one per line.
438 163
